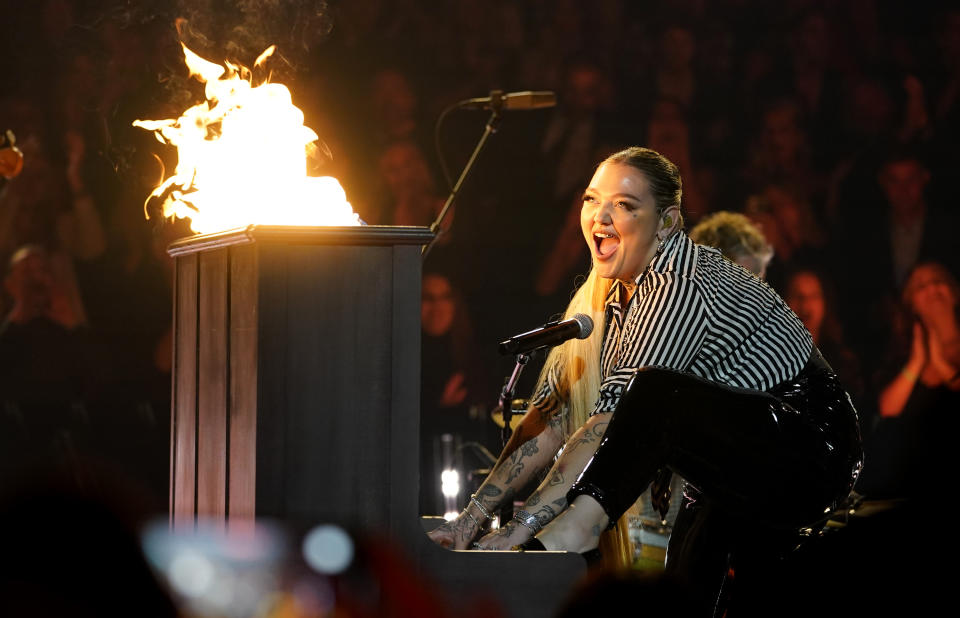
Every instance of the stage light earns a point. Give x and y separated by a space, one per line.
191 573
328 549
450 483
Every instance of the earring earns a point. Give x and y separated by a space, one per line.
668 221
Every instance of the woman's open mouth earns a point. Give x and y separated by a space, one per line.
605 244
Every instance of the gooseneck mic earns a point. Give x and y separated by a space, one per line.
579 326
498 100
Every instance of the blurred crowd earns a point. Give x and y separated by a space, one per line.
832 126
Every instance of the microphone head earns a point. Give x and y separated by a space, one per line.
529 99
586 325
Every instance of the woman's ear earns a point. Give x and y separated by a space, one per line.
669 219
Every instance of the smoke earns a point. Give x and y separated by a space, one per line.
218 30
239 30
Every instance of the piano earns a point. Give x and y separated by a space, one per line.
296 398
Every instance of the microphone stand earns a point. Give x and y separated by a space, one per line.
496 104
506 410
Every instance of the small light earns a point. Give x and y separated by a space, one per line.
450 515
191 573
328 549
450 483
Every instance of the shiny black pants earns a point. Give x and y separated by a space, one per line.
761 464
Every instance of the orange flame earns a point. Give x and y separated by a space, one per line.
242 157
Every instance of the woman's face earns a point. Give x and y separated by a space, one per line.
619 221
805 297
437 308
931 294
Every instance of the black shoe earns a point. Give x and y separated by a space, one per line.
592 556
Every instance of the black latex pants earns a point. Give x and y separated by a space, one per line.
778 460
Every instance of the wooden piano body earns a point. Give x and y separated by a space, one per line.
296 398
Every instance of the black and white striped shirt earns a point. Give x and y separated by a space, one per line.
697 312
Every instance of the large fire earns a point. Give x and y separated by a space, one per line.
242 157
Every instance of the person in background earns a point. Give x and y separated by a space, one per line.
737 238
452 384
411 194
907 222
46 357
809 294
669 132
930 377
910 439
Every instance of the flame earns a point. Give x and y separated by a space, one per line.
242 157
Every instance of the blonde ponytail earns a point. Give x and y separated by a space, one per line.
576 364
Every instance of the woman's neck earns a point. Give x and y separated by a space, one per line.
943 327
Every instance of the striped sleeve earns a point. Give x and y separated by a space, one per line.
665 328
547 397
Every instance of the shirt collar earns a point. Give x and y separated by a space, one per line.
661 262
665 259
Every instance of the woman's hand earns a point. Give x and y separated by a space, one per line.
940 360
894 396
505 538
456 533
454 393
918 350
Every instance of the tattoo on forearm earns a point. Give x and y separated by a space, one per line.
545 514
589 436
534 499
529 448
489 491
515 471
557 478
517 466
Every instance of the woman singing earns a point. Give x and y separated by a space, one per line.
695 366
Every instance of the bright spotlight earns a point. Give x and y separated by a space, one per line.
450 483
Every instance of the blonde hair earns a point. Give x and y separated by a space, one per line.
576 365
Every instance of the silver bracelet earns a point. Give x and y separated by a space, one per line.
483 509
526 519
472 518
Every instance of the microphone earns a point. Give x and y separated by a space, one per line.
579 326
498 100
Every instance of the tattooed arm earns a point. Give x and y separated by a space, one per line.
531 448
551 497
